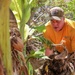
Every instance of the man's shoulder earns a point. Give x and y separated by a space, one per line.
48 23
70 23
69 20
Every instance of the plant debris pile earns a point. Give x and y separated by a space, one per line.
59 63
33 45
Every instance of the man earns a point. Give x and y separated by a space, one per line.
59 29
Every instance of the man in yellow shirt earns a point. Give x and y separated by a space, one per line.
60 29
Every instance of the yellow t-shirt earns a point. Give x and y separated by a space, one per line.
67 34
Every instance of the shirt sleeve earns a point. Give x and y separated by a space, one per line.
73 40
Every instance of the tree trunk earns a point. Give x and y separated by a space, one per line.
4 36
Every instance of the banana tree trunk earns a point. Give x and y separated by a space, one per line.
4 36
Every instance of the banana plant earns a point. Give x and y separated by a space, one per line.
22 10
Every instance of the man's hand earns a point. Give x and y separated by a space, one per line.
48 52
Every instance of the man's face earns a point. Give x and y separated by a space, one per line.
57 24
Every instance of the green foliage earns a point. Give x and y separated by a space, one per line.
39 28
71 9
42 2
15 6
45 41
39 53
33 3
25 15
36 54
23 12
